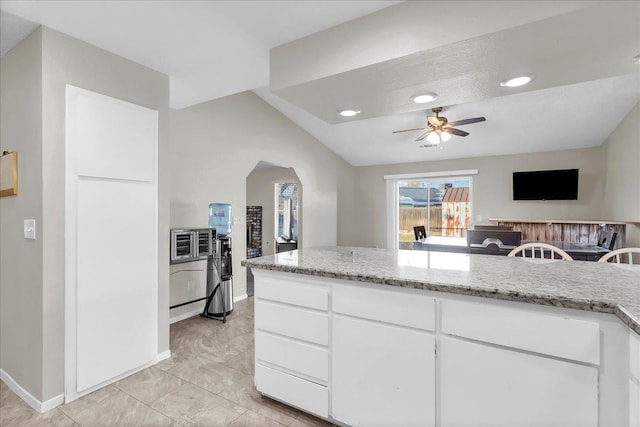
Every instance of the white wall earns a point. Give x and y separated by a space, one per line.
260 192
492 190
21 260
621 152
216 145
34 76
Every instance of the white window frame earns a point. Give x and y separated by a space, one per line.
393 209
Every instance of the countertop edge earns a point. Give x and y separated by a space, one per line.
530 298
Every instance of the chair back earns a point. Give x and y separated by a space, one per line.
528 250
615 255
607 239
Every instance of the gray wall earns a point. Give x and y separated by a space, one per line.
621 151
260 192
64 61
216 145
492 190
21 304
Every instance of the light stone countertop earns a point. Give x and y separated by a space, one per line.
605 288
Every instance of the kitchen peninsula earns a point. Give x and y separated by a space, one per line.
366 336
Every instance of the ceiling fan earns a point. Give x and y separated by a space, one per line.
439 129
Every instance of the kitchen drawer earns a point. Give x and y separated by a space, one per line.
405 307
292 322
303 394
292 355
524 329
291 289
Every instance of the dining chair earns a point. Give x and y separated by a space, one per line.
616 255
420 232
531 248
607 239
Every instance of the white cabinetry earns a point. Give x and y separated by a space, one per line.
292 338
522 367
383 373
634 379
363 354
485 385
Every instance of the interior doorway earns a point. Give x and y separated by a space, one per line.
268 211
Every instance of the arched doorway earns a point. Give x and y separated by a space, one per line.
274 211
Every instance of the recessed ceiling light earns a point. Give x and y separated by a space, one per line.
516 81
423 98
348 113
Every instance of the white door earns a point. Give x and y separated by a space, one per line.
111 245
481 385
382 375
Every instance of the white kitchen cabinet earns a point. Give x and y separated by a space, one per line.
483 385
365 355
383 356
634 379
291 341
382 374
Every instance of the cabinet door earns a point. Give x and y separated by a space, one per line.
382 375
481 385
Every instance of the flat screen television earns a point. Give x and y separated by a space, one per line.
546 185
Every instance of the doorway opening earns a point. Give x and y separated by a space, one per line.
274 212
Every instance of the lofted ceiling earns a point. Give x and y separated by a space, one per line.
309 59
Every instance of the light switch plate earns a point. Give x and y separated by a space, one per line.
30 229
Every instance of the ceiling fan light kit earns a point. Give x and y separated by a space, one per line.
516 81
436 138
423 98
440 129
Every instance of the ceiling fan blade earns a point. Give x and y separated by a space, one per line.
407 130
433 121
467 121
424 135
458 132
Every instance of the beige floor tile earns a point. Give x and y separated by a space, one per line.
208 381
204 373
90 400
306 420
251 419
13 415
243 362
191 405
120 409
244 394
149 385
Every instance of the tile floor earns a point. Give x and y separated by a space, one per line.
208 381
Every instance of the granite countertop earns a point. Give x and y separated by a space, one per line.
605 288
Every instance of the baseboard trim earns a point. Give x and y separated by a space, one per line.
240 297
185 316
192 313
164 355
28 397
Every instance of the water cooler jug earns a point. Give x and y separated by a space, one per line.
220 218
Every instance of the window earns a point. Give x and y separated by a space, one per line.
286 214
439 202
